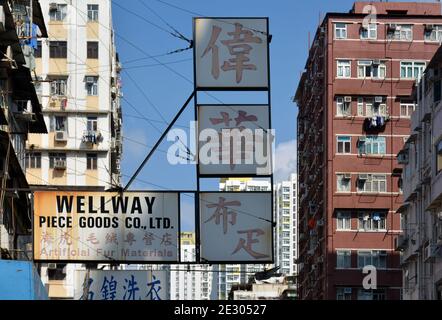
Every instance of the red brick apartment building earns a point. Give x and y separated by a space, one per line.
354 117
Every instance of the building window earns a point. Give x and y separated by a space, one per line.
58 12
344 182
374 183
433 33
92 124
344 68
344 145
378 294
407 109
343 293
92 161
92 86
376 258
92 50
58 49
372 221
92 12
37 51
369 32
412 69
58 123
437 91
439 157
361 112
372 145
402 32
343 220
340 31
375 108
59 87
33 160
371 69
343 259
56 157
343 106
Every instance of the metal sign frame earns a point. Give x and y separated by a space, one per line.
198 174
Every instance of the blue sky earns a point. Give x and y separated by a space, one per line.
290 21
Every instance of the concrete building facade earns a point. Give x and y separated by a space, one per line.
286 225
421 241
354 100
79 87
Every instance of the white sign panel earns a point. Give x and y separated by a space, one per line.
236 227
234 140
231 53
121 285
106 227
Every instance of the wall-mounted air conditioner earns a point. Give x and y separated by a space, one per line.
347 99
60 164
61 136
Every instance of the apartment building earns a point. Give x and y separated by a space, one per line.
421 241
286 225
78 82
191 282
21 22
354 100
226 276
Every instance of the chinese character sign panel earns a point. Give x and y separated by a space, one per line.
105 226
234 140
231 53
236 227
121 285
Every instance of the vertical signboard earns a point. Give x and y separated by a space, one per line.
236 227
121 285
234 140
105 227
231 53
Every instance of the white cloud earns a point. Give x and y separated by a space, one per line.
285 160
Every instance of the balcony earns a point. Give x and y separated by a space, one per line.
375 124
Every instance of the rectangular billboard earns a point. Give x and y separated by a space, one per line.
236 227
121 285
234 140
231 53
141 227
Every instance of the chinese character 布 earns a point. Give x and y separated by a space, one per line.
222 211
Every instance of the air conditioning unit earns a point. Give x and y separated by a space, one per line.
60 164
90 80
430 252
52 6
347 176
60 136
347 290
320 223
347 99
376 62
52 266
320 260
378 99
320 75
363 177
